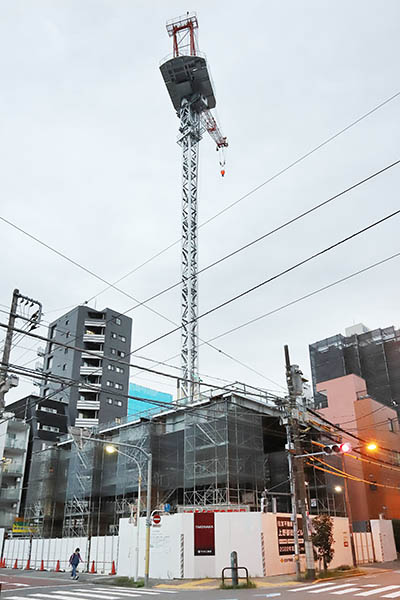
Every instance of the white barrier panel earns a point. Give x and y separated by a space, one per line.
364 547
103 551
383 538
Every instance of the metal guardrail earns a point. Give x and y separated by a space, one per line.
237 576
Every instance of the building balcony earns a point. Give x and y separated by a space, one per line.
89 388
9 495
94 338
88 405
12 444
95 323
86 422
12 470
91 370
98 352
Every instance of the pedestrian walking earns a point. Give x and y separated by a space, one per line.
74 561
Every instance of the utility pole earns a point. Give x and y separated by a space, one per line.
295 387
6 350
6 382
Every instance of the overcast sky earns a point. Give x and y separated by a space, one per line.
90 165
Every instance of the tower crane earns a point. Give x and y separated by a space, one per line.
189 84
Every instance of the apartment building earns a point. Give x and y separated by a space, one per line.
86 364
14 435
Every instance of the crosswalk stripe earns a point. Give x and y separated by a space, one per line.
394 595
92 593
378 590
105 594
347 590
335 587
17 584
125 591
312 587
58 596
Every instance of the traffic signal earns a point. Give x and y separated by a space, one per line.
337 448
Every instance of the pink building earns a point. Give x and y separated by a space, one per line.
350 406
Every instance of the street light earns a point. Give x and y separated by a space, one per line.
338 488
149 457
372 446
110 449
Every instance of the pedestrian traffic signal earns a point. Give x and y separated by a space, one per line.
337 448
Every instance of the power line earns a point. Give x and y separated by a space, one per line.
126 364
273 278
275 176
269 233
138 303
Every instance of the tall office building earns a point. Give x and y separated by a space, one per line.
372 355
93 388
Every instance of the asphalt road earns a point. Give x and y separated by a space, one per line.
376 586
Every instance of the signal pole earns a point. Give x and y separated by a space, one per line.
295 389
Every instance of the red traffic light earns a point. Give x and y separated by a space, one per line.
337 448
345 447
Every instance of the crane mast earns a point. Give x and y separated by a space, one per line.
189 85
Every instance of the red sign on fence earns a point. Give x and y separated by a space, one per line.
204 534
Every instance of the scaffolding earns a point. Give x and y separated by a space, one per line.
224 451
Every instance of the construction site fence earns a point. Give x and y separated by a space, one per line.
53 554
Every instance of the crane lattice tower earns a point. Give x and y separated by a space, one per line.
190 87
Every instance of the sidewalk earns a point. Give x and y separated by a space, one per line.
191 584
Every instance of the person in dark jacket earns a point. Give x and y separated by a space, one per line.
74 561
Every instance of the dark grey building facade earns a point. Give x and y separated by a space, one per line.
94 387
372 355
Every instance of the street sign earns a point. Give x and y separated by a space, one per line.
167 508
156 519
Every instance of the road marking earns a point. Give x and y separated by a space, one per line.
90 593
60 596
8 582
334 587
394 595
101 595
353 589
125 591
267 595
312 587
379 590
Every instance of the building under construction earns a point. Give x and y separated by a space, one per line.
227 450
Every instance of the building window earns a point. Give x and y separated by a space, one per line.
64 367
119 369
114 335
111 367
109 400
119 402
118 386
117 321
109 384
121 353
391 425
52 331
113 351
118 420
122 338
47 409
65 350
67 334
49 363
49 428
